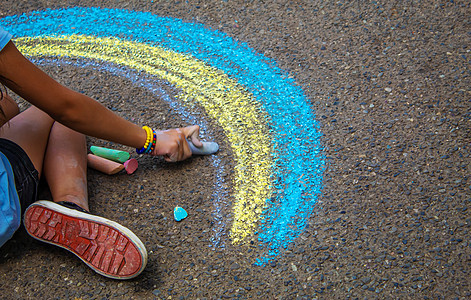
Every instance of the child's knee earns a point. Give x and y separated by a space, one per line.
8 107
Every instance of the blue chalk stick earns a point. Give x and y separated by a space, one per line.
208 148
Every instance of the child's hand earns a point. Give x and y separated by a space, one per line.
172 144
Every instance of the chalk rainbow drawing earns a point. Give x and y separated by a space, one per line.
265 116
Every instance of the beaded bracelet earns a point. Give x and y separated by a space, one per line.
148 148
149 140
154 141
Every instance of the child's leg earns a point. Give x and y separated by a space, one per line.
65 166
59 150
30 130
105 246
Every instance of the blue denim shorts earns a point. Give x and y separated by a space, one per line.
26 175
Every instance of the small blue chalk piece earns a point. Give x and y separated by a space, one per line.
207 149
179 213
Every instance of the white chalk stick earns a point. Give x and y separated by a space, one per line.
207 149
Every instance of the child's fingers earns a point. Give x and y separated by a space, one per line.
193 132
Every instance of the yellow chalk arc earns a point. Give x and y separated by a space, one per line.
224 100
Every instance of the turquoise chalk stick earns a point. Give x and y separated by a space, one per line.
111 154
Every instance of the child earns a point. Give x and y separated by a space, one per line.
48 139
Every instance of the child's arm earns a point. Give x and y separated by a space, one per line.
82 113
68 107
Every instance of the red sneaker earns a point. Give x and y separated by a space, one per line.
107 247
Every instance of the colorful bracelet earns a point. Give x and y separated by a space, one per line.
149 140
154 142
148 147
